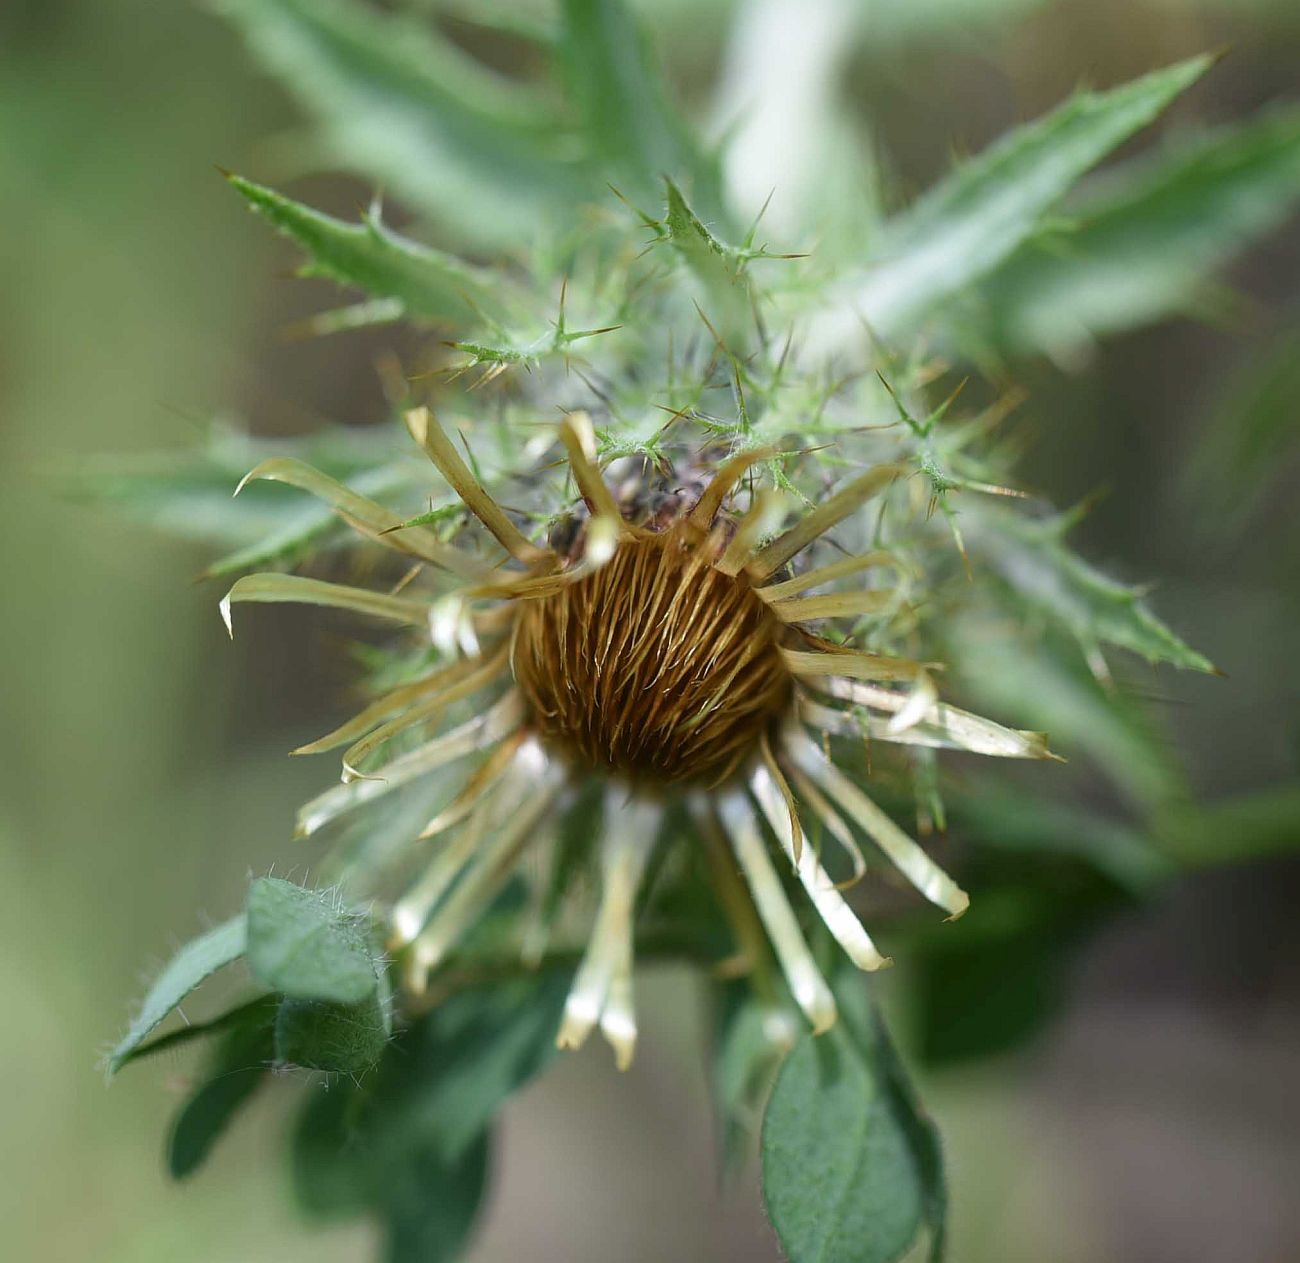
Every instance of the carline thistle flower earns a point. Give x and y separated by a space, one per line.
671 658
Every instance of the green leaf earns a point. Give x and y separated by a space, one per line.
343 1166
405 107
431 1203
1146 238
196 961
719 268
196 1031
410 1144
971 222
841 1179
428 283
1252 440
1043 680
1034 559
337 1038
237 1069
188 493
1021 822
460 1062
744 1060
922 1132
328 1152
1234 830
620 97
995 986
306 944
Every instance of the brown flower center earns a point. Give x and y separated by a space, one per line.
657 666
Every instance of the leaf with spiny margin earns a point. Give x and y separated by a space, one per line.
192 965
635 134
400 104
1143 242
851 1168
970 222
307 945
430 284
1043 680
719 268
238 1067
1034 559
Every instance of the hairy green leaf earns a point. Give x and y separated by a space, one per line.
403 106
343 1166
238 1067
368 256
339 1038
239 1016
409 1145
196 961
840 1177
307 945
970 222
1146 238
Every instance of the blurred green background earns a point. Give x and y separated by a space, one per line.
142 774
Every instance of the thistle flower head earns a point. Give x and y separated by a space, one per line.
683 661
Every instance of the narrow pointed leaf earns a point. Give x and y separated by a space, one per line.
1040 566
239 1066
972 221
196 961
401 105
428 283
1148 237
635 134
